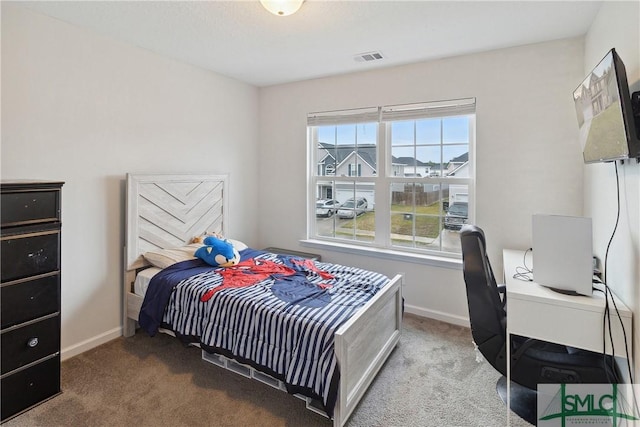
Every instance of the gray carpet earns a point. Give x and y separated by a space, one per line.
431 379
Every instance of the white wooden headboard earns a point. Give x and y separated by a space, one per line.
166 211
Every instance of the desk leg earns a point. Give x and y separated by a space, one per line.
504 280
508 376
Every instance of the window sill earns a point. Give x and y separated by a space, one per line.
387 254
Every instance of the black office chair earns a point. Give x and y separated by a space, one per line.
532 361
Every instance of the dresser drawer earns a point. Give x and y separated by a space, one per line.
26 344
25 388
30 207
29 300
30 254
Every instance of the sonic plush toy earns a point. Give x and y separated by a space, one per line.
218 252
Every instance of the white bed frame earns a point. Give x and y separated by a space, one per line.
165 211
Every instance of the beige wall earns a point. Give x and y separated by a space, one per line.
616 25
528 156
86 110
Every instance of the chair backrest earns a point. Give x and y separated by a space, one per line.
486 311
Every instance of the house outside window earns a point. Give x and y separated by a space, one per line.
403 175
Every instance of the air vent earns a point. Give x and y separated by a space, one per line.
368 56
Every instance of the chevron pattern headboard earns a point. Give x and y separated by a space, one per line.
166 211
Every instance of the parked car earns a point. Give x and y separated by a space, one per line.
352 208
456 216
326 207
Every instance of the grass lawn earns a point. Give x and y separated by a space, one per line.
426 221
606 136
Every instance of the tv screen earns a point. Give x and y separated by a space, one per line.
605 116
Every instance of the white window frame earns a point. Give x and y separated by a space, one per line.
382 245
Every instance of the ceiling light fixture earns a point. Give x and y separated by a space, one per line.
282 7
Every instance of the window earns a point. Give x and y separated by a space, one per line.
403 175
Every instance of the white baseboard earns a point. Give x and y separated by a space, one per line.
437 315
93 342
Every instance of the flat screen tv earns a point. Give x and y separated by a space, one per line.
605 114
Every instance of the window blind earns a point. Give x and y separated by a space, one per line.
360 115
454 107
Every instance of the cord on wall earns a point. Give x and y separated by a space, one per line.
606 321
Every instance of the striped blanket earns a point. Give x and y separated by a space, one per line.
283 325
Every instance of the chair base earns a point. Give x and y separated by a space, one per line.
524 401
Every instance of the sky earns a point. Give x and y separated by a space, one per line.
421 139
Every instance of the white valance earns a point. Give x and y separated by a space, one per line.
359 115
455 107
423 110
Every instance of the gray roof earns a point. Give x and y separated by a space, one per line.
409 161
367 152
338 153
460 159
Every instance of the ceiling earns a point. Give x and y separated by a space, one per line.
240 39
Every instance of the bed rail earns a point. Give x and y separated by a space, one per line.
364 343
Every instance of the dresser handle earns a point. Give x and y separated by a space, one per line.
32 342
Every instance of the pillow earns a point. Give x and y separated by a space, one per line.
163 258
237 244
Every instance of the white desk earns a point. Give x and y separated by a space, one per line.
535 311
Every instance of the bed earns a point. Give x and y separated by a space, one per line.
167 211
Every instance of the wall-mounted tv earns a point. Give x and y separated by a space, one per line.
605 113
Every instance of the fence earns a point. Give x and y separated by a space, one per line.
422 198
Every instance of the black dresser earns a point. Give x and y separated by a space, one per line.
29 294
